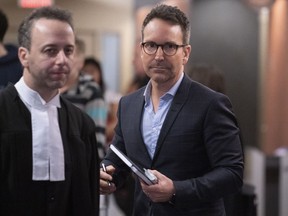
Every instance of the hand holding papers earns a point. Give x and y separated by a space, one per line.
143 174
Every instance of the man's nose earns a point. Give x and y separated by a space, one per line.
159 53
61 57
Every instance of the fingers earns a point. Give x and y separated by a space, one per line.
110 169
104 175
106 187
106 184
160 192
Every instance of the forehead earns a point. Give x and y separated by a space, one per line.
50 30
161 30
91 67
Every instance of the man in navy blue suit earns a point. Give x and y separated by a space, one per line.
185 133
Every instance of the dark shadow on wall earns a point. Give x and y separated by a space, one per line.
225 33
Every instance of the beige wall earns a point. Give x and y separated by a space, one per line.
92 19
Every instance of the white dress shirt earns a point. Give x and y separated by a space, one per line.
47 145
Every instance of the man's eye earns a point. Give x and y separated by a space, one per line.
150 45
169 46
69 51
51 51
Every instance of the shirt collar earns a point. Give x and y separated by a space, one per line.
33 98
172 91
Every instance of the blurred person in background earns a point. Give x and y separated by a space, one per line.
208 75
86 94
93 68
10 66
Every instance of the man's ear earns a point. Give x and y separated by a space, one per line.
23 55
187 51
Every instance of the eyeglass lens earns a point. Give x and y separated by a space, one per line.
168 48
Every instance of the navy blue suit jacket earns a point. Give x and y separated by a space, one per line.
198 148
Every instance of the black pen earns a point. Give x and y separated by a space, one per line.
105 170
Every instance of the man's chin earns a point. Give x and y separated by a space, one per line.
57 84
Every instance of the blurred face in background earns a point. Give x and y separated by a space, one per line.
93 71
77 65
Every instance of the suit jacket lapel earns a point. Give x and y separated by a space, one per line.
177 104
139 107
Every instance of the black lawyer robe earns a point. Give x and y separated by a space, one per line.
20 196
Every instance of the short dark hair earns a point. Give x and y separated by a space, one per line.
171 14
3 25
53 13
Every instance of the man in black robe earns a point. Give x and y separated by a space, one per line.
48 149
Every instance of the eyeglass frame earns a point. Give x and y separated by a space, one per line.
162 45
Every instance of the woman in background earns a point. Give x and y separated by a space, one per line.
93 67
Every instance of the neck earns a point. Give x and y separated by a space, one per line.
45 92
70 83
157 91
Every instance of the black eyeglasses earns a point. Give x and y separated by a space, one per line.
169 49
